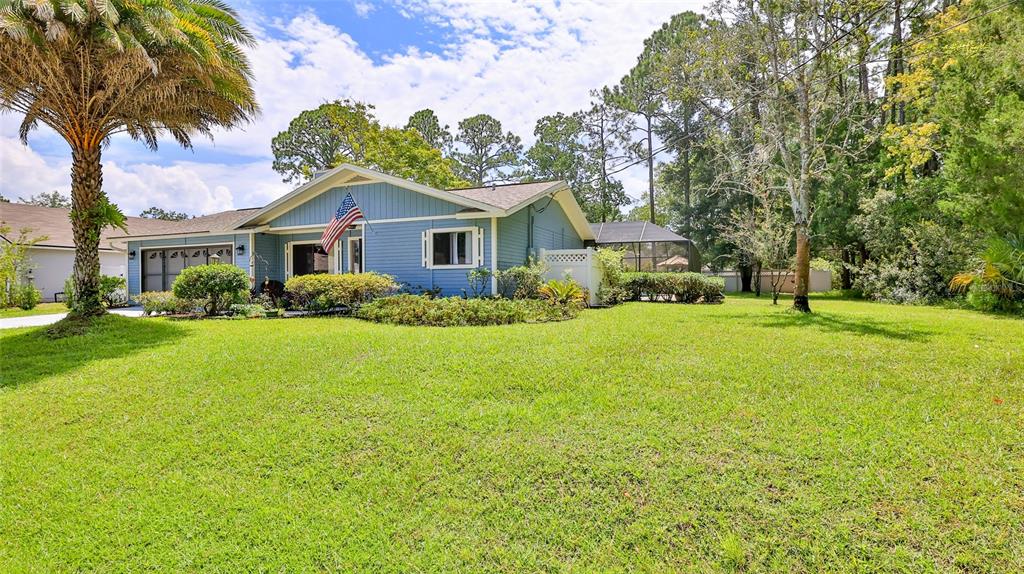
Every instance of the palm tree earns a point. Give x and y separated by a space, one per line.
90 69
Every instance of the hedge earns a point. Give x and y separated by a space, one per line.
323 292
157 302
681 287
456 311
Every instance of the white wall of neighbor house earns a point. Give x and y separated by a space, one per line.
51 267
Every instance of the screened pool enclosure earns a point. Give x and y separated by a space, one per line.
648 247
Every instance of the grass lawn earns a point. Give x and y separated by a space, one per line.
648 437
40 309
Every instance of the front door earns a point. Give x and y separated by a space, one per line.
355 254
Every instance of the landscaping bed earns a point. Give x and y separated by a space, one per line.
457 311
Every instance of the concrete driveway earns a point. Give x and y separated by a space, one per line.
40 320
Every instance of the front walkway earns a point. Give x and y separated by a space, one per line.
40 320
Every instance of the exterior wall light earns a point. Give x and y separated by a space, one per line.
240 250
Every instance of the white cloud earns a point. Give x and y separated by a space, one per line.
192 187
516 61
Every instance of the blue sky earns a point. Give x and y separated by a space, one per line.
515 61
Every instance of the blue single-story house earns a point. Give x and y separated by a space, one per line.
425 238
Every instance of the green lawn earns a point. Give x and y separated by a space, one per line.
40 309
648 437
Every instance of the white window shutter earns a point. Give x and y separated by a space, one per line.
479 246
424 249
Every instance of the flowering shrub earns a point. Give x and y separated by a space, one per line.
322 292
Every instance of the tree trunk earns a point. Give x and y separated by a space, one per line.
650 169
757 279
86 193
745 273
803 269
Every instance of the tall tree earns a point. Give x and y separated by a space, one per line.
486 150
52 199
607 129
642 92
559 152
425 122
90 70
347 131
322 138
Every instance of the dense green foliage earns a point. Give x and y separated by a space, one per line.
161 302
648 437
25 296
408 309
679 287
521 281
15 265
323 292
216 286
346 131
113 291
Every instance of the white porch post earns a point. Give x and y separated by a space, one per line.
494 255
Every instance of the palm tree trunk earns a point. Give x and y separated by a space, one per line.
86 192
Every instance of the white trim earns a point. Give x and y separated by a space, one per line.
472 244
331 267
331 179
494 255
321 226
252 259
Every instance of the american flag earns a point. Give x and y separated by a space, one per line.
347 212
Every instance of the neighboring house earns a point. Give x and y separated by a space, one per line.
52 259
425 238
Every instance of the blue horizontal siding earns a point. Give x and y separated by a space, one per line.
375 200
551 230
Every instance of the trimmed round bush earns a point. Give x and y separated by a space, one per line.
323 292
217 285
455 311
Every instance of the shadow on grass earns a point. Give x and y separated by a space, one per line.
832 322
30 355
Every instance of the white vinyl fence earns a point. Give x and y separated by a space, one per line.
578 264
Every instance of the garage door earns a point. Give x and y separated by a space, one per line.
160 267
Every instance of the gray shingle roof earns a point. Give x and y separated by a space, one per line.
632 232
504 196
222 222
55 224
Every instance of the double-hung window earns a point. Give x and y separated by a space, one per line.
452 247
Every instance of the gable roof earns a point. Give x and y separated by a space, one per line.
506 196
223 222
55 224
632 232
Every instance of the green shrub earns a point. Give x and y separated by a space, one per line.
248 310
157 302
456 311
682 287
479 281
26 296
611 291
216 286
113 291
322 292
521 282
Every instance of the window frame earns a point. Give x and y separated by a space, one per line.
473 254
